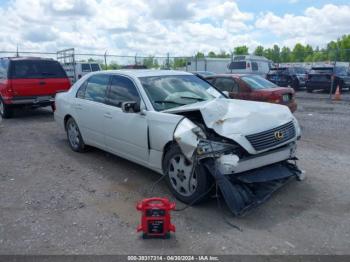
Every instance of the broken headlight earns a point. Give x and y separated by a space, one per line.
207 148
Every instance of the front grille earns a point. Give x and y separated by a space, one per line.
267 139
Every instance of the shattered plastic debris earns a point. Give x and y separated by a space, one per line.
246 190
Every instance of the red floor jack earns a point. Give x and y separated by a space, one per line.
155 220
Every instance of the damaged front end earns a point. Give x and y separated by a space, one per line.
244 180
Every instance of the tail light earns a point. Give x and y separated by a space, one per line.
275 98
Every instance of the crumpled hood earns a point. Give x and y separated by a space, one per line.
232 118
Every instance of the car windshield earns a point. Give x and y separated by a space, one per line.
257 82
167 92
341 70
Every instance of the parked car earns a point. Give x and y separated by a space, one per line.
164 119
320 78
28 81
76 70
255 88
294 77
249 64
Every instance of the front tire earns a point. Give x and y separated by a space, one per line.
5 110
75 139
185 184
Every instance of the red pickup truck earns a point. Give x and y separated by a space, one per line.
29 82
255 88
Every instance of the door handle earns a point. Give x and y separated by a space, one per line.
108 115
42 83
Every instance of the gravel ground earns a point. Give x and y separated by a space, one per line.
55 201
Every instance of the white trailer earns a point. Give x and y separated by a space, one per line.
215 65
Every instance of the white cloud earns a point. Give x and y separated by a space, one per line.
315 26
181 27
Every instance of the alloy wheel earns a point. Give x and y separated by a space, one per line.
73 134
182 176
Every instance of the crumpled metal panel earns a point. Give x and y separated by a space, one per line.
234 119
186 138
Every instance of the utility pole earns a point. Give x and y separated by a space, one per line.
17 53
105 60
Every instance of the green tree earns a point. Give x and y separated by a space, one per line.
268 53
276 54
199 55
178 62
211 54
298 53
259 50
241 50
286 55
150 62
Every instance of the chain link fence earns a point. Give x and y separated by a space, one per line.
106 60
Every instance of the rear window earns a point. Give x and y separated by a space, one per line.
238 65
257 82
36 69
95 67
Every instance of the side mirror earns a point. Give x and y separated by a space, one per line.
131 107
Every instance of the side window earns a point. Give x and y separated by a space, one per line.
255 66
122 89
81 91
225 84
3 68
96 88
85 68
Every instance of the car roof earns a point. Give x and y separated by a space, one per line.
145 72
19 58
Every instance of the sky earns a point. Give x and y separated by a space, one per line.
178 27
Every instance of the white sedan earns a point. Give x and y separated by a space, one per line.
169 120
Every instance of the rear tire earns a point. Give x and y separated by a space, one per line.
5 110
187 186
309 90
74 137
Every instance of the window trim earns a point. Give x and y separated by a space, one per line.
85 83
110 85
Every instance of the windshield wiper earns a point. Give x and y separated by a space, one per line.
191 97
169 102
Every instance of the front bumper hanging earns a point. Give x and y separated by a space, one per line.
249 189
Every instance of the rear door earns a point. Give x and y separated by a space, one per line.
37 78
89 109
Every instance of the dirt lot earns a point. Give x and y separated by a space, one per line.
55 201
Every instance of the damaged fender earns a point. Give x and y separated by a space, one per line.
186 137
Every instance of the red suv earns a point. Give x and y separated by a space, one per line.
255 88
28 81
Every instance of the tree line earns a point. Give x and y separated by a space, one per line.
338 50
